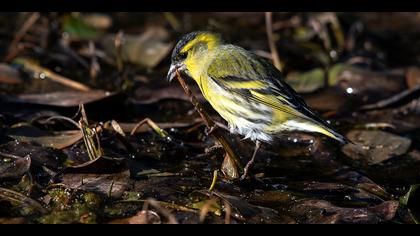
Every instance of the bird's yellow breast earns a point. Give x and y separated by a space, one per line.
221 100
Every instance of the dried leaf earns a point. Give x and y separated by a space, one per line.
20 199
40 156
9 75
13 166
145 50
142 217
413 77
97 20
229 167
323 212
111 185
375 146
368 85
244 211
57 140
63 98
16 220
102 164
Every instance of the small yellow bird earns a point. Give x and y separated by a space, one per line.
246 90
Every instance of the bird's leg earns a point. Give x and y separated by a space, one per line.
250 162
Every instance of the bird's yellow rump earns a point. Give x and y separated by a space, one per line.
246 90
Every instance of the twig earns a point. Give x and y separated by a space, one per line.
213 182
162 133
94 150
21 47
118 42
128 127
210 123
405 96
293 22
164 204
22 31
205 209
169 216
271 42
63 118
95 68
53 76
228 212
10 155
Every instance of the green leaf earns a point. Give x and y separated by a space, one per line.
407 199
404 200
79 30
306 82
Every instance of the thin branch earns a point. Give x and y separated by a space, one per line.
210 123
271 41
206 208
39 70
118 42
228 212
63 118
27 25
161 132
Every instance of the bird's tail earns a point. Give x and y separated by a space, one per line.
332 134
317 127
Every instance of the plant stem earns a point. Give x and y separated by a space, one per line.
271 41
210 123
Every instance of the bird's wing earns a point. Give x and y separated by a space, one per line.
251 77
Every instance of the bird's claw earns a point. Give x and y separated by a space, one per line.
210 130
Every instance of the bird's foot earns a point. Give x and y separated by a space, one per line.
251 162
216 125
246 169
210 129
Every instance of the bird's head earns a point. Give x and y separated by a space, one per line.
188 48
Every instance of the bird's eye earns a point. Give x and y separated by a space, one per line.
182 56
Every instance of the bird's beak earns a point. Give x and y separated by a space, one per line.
172 71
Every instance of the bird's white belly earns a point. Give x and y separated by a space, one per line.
237 114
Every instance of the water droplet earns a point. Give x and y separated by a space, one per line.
295 140
65 35
349 90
